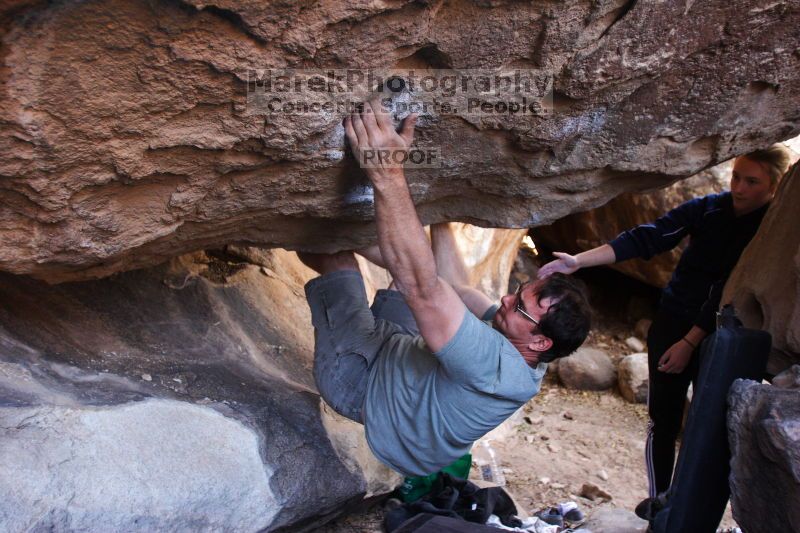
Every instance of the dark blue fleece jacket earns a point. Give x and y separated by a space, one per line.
717 239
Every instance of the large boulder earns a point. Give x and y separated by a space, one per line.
634 378
126 136
765 285
153 464
587 369
764 435
174 397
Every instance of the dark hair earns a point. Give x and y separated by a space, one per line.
567 322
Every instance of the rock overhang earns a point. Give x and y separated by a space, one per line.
126 143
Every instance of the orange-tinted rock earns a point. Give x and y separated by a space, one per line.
124 139
489 256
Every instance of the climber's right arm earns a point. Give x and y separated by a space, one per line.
404 246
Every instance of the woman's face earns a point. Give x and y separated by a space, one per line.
751 186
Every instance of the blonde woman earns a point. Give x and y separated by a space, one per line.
719 227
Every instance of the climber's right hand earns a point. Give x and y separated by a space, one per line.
564 263
375 142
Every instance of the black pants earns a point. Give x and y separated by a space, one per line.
700 488
666 399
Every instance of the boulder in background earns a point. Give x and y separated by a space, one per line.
587 369
634 378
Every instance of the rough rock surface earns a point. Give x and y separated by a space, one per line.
765 285
583 231
633 377
173 397
587 369
764 435
125 138
788 379
112 468
489 255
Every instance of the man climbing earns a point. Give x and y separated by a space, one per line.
420 370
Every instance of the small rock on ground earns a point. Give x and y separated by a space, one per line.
590 491
634 344
633 378
587 369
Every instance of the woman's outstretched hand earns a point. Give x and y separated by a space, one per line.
564 263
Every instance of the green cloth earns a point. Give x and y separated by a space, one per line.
414 488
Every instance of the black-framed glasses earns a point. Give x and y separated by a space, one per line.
518 308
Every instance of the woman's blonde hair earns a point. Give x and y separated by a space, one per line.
775 160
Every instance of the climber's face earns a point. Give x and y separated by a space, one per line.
751 186
518 319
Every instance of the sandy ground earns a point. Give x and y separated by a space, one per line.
566 439
575 438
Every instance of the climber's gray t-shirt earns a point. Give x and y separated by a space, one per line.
424 410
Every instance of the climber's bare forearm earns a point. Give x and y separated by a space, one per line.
475 300
404 247
448 258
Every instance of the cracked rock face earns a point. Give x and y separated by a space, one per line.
125 138
763 424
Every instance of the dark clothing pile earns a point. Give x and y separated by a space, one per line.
458 498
